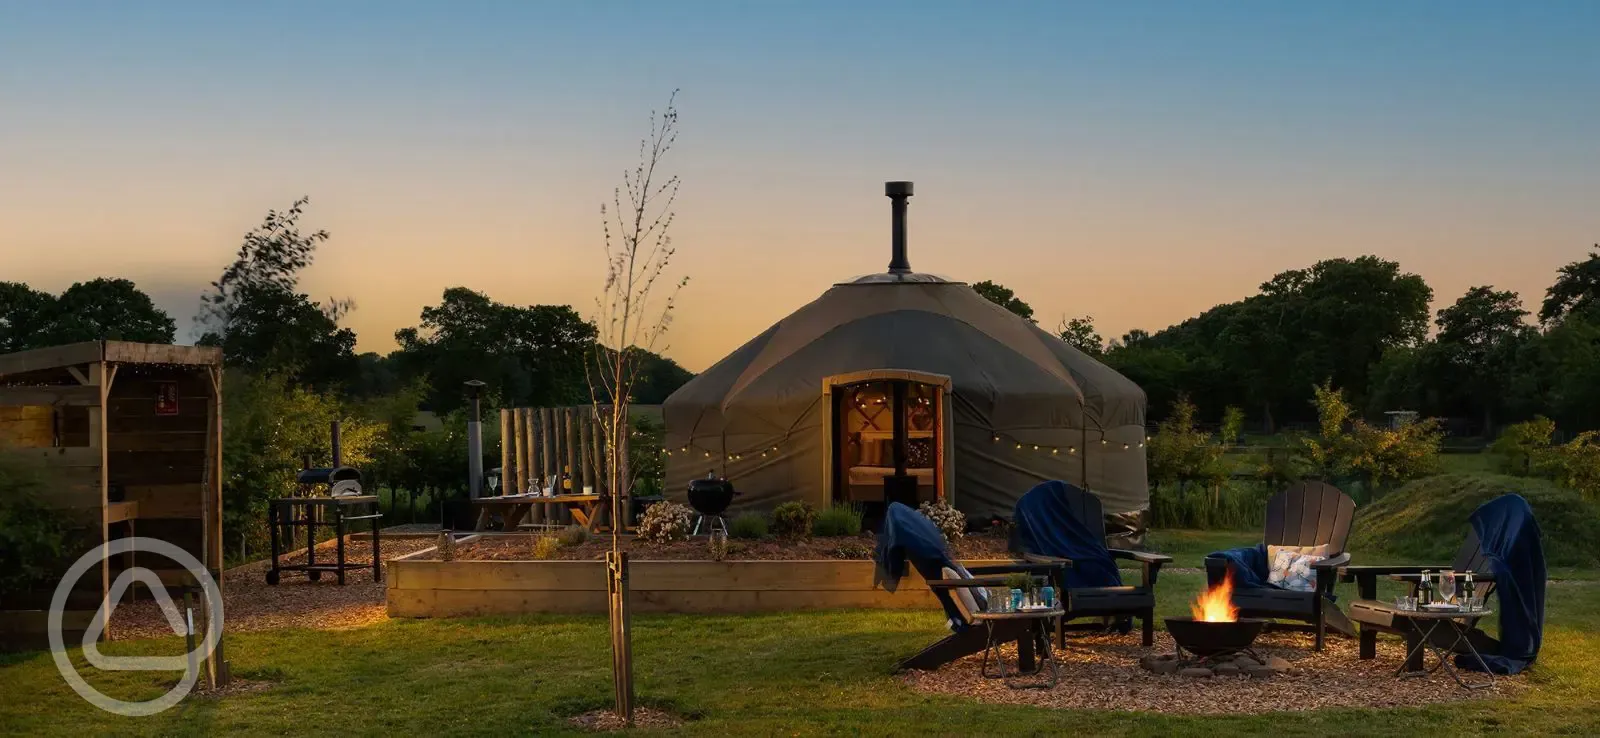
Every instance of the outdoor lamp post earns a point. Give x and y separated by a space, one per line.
475 439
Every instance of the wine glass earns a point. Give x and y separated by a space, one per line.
1447 586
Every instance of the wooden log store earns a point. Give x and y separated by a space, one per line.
128 437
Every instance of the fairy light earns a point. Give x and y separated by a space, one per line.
994 437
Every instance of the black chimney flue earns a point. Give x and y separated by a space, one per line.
898 193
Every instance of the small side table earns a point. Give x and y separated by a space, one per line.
1421 629
1037 623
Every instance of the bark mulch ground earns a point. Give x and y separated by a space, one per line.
643 717
249 604
1102 672
520 547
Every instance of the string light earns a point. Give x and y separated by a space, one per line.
994 437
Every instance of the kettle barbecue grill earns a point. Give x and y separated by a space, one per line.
710 497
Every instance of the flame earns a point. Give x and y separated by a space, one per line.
1216 605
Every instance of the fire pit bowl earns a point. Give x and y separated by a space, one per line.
711 495
1209 638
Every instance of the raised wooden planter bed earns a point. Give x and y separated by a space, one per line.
419 588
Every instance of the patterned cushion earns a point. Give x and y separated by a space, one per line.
969 600
1290 569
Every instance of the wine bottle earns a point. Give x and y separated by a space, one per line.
1425 589
1469 589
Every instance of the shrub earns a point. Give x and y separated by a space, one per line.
748 525
950 521
793 520
1575 464
36 541
838 520
546 547
1349 447
1180 452
1425 521
573 535
853 549
665 522
1521 445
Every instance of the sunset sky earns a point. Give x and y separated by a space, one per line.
1137 162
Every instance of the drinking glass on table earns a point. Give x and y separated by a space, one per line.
1447 585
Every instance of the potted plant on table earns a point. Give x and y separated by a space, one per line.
1023 586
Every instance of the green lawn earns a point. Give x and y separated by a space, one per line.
790 674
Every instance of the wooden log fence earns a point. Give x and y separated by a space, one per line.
556 451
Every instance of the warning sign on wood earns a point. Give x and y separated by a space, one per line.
166 398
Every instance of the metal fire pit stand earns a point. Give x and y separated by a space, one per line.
1039 633
285 514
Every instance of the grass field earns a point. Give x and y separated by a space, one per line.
790 674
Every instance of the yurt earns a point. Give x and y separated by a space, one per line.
909 387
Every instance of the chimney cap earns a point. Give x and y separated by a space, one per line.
897 189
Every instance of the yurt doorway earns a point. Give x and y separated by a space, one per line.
887 439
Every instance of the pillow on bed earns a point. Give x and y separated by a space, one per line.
1290 569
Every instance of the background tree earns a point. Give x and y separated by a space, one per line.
1080 334
108 309
100 309
1004 297
263 323
1577 287
1476 349
528 356
271 330
26 315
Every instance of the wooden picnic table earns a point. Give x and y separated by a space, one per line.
587 510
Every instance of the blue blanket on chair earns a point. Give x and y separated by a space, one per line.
910 537
1047 527
1249 566
1511 542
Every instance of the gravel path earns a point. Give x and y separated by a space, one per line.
249 604
1102 672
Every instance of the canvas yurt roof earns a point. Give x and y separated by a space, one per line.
756 416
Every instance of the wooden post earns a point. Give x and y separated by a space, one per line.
570 459
508 456
519 429
526 443
585 448
547 433
600 454
621 632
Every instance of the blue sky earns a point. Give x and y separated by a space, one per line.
1139 162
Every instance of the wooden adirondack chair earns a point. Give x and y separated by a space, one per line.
1312 516
1468 558
970 637
1100 602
